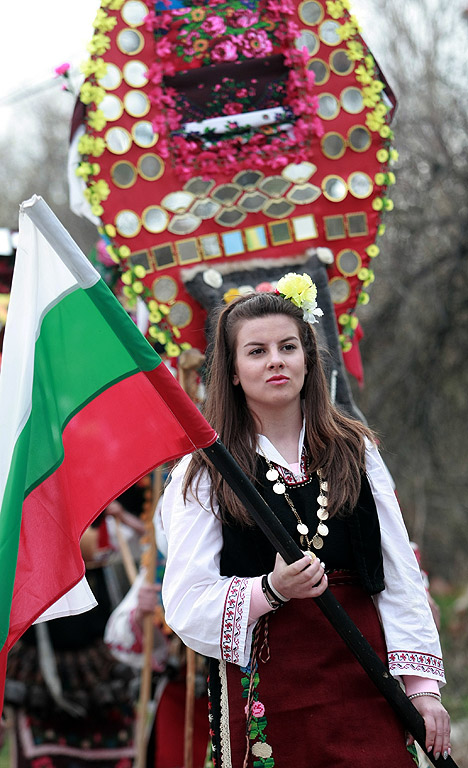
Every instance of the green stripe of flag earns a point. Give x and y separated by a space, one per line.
92 358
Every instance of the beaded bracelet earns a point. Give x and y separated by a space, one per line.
425 693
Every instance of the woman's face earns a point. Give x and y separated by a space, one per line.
269 362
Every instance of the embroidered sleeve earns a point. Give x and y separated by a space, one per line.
421 664
209 612
410 632
233 619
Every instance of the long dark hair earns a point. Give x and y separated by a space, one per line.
334 441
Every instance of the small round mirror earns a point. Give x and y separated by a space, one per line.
136 103
155 219
328 106
111 106
135 73
329 32
311 12
348 262
127 223
340 63
308 40
360 184
180 314
143 134
164 289
134 12
112 78
359 138
351 100
333 145
150 167
130 41
334 188
118 140
123 174
320 70
339 289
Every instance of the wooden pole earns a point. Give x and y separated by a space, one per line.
127 557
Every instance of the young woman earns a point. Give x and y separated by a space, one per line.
285 690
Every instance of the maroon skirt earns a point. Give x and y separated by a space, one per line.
310 703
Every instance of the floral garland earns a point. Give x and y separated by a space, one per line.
204 37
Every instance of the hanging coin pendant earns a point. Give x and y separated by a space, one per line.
279 488
322 514
302 529
324 485
272 475
322 500
317 541
312 555
322 529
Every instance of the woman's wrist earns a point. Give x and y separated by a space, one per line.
275 591
417 684
271 596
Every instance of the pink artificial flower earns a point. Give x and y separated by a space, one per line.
255 43
102 254
163 48
244 18
225 50
232 108
62 69
242 93
214 25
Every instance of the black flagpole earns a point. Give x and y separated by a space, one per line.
266 519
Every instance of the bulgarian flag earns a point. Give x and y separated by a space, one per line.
86 408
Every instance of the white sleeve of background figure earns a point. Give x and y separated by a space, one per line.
208 611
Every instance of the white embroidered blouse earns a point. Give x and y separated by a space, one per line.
211 612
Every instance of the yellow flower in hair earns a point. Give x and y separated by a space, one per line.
293 286
302 291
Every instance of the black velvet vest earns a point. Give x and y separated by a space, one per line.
353 541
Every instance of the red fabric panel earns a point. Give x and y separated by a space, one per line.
321 707
170 718
117 438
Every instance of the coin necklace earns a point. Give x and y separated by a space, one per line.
279 487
